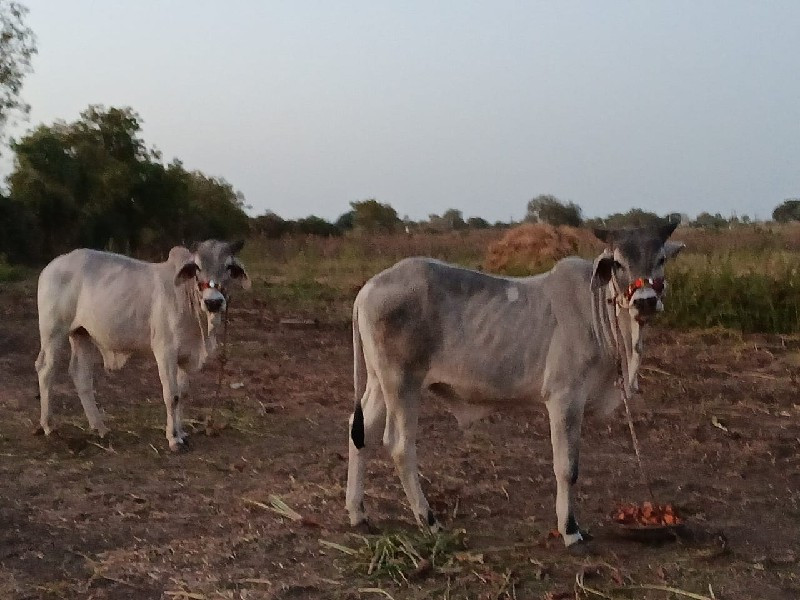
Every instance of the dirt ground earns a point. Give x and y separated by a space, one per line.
719 423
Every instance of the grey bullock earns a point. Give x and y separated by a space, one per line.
121 306
478 341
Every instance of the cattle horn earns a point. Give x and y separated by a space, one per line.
236 246
604 235
664 231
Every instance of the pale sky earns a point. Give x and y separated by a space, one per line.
304 106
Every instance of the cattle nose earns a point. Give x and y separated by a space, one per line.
646 305
213 304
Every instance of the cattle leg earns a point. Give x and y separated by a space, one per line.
183 396
566 414
45 369
80 368
402 395
167 371
373 411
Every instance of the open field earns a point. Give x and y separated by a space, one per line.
81 518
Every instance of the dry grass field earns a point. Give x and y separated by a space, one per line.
256 508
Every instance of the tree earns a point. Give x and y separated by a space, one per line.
20 238
270 225
345 221
709 221
788 210
478 223
17 47
451 220
634 218
313 225
546 208
371 215
94 183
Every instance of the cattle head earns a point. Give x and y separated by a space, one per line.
215 268
633 263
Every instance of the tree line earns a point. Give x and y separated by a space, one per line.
547 208
95 183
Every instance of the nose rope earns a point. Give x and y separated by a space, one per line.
223 358
657 285
195 298
623 297
622 382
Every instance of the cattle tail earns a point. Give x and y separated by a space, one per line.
360 384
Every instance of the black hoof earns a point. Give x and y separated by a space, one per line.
582 547
366 527
178 448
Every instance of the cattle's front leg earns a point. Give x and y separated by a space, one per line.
566 414
168 372
183 396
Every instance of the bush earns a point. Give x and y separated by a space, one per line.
720 293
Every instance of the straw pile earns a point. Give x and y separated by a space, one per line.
535 247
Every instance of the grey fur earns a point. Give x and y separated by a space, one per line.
482 341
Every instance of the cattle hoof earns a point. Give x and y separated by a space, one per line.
102 433
434 526
580 546
41 430
178 447
366 527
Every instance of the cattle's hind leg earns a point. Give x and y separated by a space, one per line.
402 394
80 368
373 414
52 344
566 414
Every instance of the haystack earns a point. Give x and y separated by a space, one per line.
535 247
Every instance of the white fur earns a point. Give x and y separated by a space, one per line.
122 306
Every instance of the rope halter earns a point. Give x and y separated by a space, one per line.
623 297
657 285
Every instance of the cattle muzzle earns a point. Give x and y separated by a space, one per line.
216 302
644 295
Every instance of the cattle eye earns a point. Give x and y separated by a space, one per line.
235 270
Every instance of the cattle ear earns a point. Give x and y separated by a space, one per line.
186 272
238 273
235 247
601 270
664 231
604 235
672 249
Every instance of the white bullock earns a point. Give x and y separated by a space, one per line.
122 306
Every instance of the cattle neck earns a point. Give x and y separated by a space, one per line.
208 323
618 334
